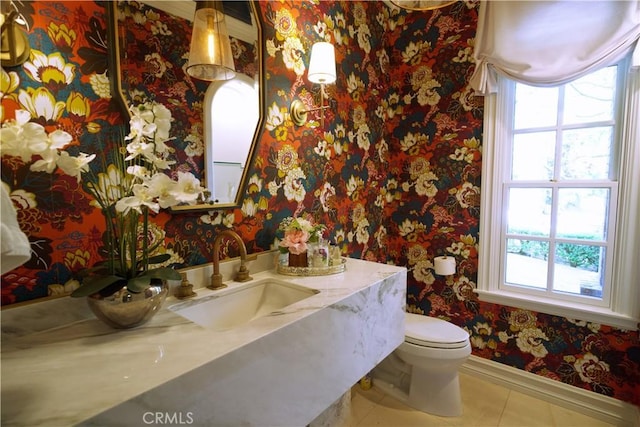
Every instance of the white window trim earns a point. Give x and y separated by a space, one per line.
624 308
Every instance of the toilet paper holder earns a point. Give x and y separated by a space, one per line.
444 265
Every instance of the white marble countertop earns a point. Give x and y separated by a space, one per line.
68 374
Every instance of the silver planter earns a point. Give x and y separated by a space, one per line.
125 309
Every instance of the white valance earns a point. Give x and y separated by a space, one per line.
545 43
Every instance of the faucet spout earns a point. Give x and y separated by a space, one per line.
243 271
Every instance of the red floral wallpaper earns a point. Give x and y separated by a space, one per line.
394 173
63 85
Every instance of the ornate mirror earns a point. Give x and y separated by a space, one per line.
232 110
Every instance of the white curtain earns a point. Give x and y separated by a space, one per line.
552 42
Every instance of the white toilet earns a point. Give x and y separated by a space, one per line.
423 371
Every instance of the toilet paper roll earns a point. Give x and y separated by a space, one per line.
445 265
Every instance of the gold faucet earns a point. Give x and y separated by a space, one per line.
243 272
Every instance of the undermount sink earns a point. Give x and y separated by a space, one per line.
242 303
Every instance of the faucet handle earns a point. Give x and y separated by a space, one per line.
185 290
243 274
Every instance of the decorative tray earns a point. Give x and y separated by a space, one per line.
312 271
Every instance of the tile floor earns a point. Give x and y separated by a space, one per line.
485 405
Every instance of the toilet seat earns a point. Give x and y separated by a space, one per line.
432 332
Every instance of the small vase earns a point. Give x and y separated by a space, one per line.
298 260
125 309
319 254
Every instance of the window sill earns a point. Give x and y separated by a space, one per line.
598 315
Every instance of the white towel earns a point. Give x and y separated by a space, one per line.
14 243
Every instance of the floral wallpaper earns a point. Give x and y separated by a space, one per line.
64 84
394 173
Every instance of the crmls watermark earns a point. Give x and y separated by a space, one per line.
168 418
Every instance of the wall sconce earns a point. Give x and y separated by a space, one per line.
210 56
322 70
15 44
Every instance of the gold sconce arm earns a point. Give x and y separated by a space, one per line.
298 111
15 44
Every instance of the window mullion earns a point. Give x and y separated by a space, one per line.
552 237
557 165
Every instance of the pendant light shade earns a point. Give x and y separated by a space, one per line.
210 56
322 65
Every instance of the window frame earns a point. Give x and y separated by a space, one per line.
622 307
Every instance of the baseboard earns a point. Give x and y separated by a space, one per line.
604 408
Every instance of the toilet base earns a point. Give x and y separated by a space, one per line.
434 391
435 394
445 403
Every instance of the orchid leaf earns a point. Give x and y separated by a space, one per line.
93 285
165 273
138 284
142 282
158 259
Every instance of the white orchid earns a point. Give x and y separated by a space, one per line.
163 187
48 161
125 190
75 166
49 151
187 189
24 139
21 138
138 171
142 196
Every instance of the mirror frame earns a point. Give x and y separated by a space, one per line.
115 69
113 59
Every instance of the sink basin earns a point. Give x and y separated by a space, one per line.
242 303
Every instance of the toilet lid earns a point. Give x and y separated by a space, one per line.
433 332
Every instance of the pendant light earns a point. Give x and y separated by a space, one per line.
210 56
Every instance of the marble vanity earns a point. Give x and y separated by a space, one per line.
61 366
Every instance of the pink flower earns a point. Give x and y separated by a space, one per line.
296 241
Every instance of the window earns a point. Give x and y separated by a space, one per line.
559 214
